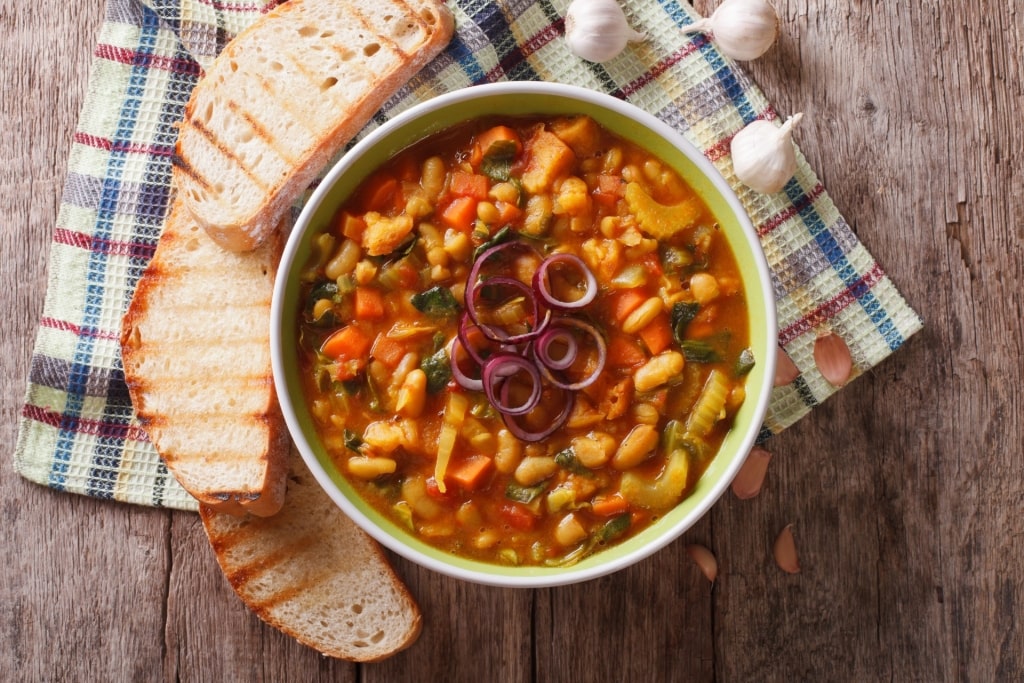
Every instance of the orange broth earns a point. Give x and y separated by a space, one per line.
387 293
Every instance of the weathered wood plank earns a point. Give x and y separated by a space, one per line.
904 490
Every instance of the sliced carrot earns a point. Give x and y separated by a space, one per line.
657 335
351 226
472 472
626 301
518 516
498 134
507 212
703 325
653 264
388 351
610 188
348 343
369 303
378 192
473 185
608 506
460 214
623 352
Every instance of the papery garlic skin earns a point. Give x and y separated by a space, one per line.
742 29
597 30
763 156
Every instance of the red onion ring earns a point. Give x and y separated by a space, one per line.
542 281
461 377
473 281
602 357
498 370
493 345
490 331
552 335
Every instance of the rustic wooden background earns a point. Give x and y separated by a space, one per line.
905 490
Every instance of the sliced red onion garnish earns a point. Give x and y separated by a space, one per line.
455 349
602 356
497 380
481 346
552 337
525 434
535 361
496 333
542 281
473 281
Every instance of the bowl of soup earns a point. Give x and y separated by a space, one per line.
524 334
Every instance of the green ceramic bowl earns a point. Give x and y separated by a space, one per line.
524 98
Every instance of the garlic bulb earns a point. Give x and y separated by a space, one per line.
742 29
763 156
597 30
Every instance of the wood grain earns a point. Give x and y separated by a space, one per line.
905 489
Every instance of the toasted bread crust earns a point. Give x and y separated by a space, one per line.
193 377
252 140
311 573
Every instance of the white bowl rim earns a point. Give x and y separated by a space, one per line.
568 575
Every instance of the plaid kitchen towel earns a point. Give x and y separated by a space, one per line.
77 431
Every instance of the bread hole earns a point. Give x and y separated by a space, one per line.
428 16
371 49
276 66
327 34
388 17
328 83
357 608
347 54
192 245
208 112
377 637
307 31
234 65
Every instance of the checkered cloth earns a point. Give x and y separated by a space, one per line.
77 431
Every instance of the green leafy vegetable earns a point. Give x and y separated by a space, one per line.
699 351
613 528
567 460
438 370
352 440
436 302
506 234
682 313
497 161
524 494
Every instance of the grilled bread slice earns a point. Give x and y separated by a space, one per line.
285 95
196 352
311 573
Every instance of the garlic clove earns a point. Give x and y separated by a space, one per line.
785 369
742 29
785 551
704 559
763 156
750 478
597 30
833 358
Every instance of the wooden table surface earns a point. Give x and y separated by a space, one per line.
905 489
